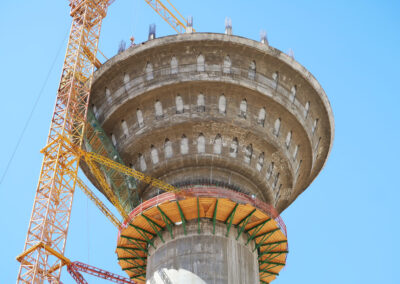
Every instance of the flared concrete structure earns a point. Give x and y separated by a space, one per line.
219 114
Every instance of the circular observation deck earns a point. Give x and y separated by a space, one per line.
207 109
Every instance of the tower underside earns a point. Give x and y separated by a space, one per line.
230 121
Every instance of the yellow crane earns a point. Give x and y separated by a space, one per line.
43 255
179 25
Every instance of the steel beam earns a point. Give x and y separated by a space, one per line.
182 217
230 219
245 220
215 215
168 222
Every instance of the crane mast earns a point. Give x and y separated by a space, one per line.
43 255
48 226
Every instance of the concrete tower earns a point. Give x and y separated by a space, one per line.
239 126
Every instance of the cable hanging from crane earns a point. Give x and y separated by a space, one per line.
39 95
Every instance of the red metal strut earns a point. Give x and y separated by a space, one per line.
76 266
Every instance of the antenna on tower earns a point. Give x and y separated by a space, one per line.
228 26
122 46
189 25
291 53
263 37
152 31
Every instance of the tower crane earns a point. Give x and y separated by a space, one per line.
43 256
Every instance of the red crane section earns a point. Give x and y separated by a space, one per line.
76 266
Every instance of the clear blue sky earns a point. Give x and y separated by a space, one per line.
343 229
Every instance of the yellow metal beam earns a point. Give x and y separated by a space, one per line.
91 57
178 25
104 185
90 194
128 171
64 260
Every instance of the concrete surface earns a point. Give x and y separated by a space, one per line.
219 109
202 258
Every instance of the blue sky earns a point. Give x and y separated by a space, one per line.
343 229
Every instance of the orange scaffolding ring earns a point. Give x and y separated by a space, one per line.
258 220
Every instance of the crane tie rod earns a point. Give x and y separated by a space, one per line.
91 158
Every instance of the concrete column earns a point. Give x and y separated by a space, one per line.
202 258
